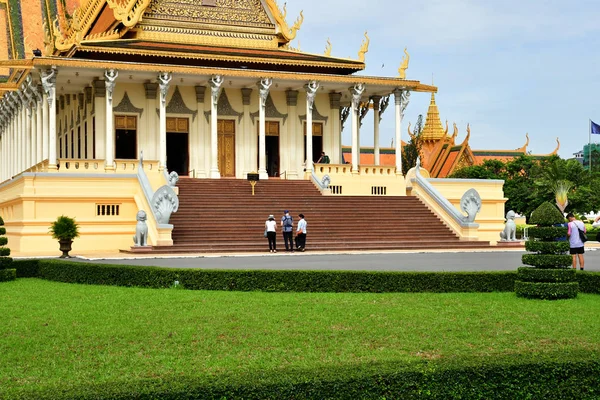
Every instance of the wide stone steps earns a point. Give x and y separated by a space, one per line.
222 216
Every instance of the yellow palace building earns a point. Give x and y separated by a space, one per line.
101 98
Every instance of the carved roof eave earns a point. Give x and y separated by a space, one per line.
126 16
373 81
284 33
89 47
464 148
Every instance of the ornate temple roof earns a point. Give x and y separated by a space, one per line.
225 33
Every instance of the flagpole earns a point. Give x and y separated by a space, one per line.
590 145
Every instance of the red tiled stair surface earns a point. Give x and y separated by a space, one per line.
221 215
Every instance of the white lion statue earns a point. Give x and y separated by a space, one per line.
141 229
510 229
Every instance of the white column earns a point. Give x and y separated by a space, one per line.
164 78
376 100
311 91
199 150
295 136
249 162
89 143
100 111
39 143
110 76
356 91
49 84
22 136
45 124
401 100
334 106
263 92
216 85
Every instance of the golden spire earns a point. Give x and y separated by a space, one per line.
364 48
433 129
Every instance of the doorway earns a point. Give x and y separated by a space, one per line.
271 148
317 141
125 137
226 145
178 145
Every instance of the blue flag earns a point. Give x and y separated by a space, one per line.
595 128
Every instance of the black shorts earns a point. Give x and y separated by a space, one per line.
576 250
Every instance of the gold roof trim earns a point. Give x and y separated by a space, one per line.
288 34
433 129
555 152
130 14
364 48
215 57
524 147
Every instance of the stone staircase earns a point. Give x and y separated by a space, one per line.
221 215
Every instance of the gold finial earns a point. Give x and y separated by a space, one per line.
455 133
284 13
404 65
410 134
555 152
446 131
364 48
328 48
296 26
468 132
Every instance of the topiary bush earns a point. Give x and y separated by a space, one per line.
548 276
6 273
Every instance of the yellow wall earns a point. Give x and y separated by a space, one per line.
368 179
491 216
31 202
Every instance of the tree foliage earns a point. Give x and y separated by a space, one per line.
412 150
530 181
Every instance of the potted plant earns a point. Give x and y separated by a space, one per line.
65 230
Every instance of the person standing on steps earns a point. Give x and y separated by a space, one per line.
271 227
287 228
301 233
576 247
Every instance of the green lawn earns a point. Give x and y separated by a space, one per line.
63 336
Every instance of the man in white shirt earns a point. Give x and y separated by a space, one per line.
301 233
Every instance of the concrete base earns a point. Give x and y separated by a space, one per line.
138 249
517 243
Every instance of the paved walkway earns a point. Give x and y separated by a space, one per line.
356 261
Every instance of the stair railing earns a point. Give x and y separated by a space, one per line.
321 184
445 210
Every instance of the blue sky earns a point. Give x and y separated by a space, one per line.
506 67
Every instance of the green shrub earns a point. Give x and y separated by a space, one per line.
27 268
547 260
537 246
64 228
547 214
530 274
550 281
5 260
589 282
275 281
557 377
547 290
9 274
547 233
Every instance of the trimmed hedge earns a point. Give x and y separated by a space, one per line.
547 260
554 376
529 274
28 268
547 290
537 246
270 281
548 233
8 275
282 281
547 214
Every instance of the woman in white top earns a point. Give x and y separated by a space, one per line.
271 227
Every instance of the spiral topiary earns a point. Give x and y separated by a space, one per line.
6 273
549 276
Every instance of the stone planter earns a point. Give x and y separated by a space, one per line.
65 247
